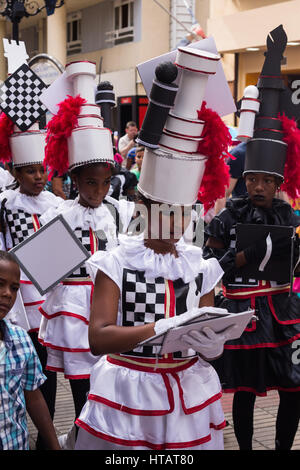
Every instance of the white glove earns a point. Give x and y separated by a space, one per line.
206 342
163 325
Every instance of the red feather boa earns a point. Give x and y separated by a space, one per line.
6 130
291 184
58 130
215 143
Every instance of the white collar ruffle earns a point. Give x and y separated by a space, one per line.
31 204
137 256
77 215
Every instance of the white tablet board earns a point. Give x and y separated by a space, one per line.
51 254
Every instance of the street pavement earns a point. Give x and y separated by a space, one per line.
264 419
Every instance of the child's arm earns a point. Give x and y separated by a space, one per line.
104 335
39 413
207 300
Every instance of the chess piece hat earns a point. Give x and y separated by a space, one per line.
267 121
186 143
21 140
75 135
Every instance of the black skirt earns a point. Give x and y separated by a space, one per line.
267 355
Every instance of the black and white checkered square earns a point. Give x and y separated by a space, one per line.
20 225
19 97
143 300
84 237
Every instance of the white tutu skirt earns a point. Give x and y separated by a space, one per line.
32 300
134 409
64 330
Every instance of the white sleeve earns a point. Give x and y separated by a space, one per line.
126 209
212 274
48 215
107 263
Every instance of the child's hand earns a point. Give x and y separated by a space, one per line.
208 343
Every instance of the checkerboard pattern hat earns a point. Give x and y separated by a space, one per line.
186 143
21 140
76 135
19 97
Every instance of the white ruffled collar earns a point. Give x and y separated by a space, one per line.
77 215
31 204
137 256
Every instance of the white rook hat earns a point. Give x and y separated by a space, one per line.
76 135
177 162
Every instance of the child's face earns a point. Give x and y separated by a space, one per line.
139 159
9 285
261 188
32 179
93 184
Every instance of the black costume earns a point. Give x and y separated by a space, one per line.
267 342
262 358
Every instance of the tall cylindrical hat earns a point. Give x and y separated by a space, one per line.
267 121
76 135
178 133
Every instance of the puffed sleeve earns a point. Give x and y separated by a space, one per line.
107 263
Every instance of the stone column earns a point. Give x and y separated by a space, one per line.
3 60
57 35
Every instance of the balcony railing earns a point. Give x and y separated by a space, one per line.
120 36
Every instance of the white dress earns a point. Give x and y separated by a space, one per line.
66 310
21 219
139 400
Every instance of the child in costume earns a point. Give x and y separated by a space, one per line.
20 372
139 399
77 142
262 358
22 207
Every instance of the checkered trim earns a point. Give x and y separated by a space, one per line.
19 97
20 224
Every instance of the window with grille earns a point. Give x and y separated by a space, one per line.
123 22
74 33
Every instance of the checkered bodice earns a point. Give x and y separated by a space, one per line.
92 243
146 300
21 224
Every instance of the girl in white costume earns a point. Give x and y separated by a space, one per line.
64 327
21 211
139 399
95 221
